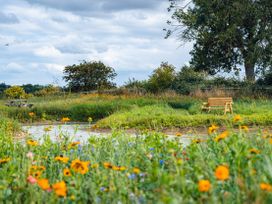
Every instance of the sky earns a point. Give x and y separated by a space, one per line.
38 38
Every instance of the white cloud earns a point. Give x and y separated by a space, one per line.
50 35
47 51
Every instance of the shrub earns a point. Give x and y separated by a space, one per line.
15 92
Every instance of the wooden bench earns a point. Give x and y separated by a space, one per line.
18 103
218 103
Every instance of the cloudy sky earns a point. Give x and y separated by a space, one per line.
38 38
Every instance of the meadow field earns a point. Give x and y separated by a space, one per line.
231 164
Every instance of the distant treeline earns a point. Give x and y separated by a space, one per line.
165 78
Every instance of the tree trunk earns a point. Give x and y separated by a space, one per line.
250 73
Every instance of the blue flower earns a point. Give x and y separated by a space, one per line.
132 176
151 148
161 162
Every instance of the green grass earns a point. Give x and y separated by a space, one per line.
127 111
160 117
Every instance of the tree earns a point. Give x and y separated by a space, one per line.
89 76
15 92
3 87
162 78
30 88
188 80
227 34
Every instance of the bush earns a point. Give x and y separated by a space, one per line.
48 91
15 92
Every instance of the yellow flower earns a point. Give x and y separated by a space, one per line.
36 168
60 189
178 134
245 128
254 151
80 166
270 141
204 185
237 118
73 145
31 114
212 129
95 166
44 184
62 159
32 143
48 129
223 135
65 119
179 161
222 173
107 165
5 160
37 174
266 187
119 168
136 170
196 141
67 172
72 197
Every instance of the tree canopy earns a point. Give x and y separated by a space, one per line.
162 78
227 34
89 76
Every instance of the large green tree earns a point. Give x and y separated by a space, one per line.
88 76
227 34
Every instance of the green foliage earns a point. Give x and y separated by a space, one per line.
188 80
89 76
226 34
15 92
162 78
3 87
47 91
30 88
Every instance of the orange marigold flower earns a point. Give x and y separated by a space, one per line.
60 189
107 165
266 187
136 170
62 159
5 160
65 119
222 173
80 166
254 151
44 184
73 145
178 134
31 114
204 185
212 129
223 135
237 118
67 172
32 143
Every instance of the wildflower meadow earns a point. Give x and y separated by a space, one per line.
228 166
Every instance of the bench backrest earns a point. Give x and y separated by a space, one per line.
219 101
